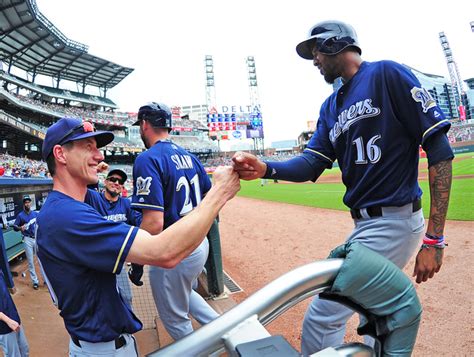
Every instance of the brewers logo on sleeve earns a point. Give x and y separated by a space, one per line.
143 185
424 97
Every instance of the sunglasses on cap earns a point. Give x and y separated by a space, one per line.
84 127
115 180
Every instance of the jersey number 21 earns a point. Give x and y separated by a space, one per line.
188 204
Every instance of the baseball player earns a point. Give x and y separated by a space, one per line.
169 184
113 207
373 126
26 223
81 252
12 336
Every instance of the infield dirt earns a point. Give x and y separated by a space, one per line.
262 240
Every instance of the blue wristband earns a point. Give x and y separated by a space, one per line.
427 235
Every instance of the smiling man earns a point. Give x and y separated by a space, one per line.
113 207
81 252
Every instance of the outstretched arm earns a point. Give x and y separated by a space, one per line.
301 168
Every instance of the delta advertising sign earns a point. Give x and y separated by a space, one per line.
235 122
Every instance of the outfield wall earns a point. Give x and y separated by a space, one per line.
462 147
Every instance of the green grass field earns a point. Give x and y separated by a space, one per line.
329 195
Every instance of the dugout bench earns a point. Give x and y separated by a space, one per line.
13 244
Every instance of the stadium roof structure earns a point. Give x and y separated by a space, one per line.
29 41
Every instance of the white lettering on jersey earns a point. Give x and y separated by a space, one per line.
31 222
360 110
143 186
424 97
119 217
182 162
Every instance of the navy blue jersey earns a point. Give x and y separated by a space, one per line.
80 253
168 178
6 305
374 125
27 219
118 211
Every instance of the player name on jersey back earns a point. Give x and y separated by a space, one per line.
182 162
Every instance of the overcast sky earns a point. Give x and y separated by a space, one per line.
166 41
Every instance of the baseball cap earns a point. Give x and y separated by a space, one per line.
119 172
71 129
26 198
157 114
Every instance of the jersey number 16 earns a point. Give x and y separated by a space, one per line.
373 152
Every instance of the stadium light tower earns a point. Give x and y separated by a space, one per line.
254 100
210 87
457 84
252 78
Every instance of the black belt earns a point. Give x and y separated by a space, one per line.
376 211
119 342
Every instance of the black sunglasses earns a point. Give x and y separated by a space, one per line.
115 180
85 127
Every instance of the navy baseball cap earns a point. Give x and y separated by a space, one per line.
119 172
26 198
66 130
158 114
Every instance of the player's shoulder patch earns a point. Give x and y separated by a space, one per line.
143 186
424 97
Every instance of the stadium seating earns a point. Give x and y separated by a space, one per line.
459 133
17 167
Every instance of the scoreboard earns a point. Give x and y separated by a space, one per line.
235 126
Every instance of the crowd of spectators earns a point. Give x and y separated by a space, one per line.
122 119
193 143
461 133
22 167
190 124
211 163
116 118
278 156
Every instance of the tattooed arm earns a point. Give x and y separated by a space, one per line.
429 260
